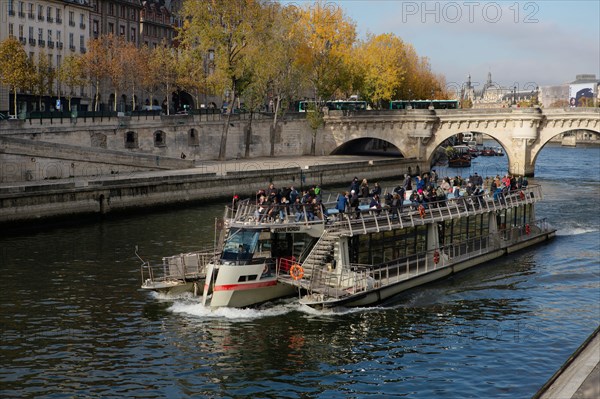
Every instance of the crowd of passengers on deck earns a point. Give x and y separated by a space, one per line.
419 193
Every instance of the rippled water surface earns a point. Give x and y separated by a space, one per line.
74 322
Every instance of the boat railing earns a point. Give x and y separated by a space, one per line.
248 212
181 267
366 220
357 278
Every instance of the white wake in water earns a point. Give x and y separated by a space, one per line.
575 231
198 310
279 308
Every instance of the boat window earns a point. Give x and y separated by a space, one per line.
240 245
376 248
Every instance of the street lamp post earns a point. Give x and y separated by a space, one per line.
431 102
514 95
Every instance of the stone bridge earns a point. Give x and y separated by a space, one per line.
522 132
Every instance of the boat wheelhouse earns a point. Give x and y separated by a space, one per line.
365 256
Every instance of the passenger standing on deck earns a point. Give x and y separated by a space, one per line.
396 205
342 202
354 185
420 184
364 189
293 194
407 184
354 203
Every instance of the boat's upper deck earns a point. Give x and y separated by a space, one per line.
307 217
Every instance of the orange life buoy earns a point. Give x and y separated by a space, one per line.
422 211
527 229
297 272
436 257
522 196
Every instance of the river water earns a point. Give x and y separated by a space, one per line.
74 322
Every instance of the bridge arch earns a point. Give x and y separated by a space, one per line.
368 146
545 139
441 137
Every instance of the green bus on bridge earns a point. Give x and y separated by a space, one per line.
424 104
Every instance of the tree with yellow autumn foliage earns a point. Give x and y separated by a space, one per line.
70 74
383 69
326 36
16 69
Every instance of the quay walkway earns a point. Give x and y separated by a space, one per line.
579 377
214 168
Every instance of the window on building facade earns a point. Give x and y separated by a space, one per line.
49 14
133 37
121 30
58 16
71 41
11 30
40 34
11 9
40 12
21 9
111 9
82 21
31 35
58 60
71 18
30 9
58 37
49 35
50 60
95 27
111 27
81 42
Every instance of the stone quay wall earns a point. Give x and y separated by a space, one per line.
25 203
41 150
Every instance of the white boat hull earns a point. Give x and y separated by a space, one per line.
245 285
378 295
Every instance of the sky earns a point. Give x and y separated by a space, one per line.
522 43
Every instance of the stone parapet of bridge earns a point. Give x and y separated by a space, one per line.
522 132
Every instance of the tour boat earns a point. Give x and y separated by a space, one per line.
366 256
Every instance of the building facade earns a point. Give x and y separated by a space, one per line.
57 28
492 95
45 28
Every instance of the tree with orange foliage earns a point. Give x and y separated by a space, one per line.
94 66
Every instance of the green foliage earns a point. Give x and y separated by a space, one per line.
314 116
